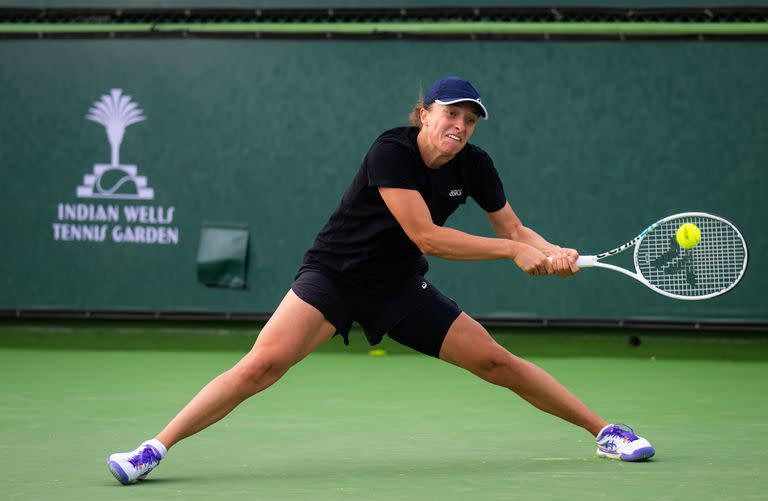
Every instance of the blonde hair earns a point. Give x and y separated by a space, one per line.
414 117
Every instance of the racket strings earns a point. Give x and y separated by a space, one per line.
715 264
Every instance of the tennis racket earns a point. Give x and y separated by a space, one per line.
711 268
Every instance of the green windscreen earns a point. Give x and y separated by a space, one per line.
594 141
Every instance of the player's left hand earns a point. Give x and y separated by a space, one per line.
564 261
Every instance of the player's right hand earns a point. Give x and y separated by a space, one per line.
564 262
532 261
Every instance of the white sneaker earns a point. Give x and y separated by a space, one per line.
619 441
128 467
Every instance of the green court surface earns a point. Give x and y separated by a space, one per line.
346 425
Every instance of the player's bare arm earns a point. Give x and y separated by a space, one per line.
506 224
412 213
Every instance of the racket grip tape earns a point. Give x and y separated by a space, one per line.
583 261
586 261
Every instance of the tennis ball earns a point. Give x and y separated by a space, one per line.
377 353
688 235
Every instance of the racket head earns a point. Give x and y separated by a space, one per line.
711 268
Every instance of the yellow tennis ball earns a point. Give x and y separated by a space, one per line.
688 235
377 353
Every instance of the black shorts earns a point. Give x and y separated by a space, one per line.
416 314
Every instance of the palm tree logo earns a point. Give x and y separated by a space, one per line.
115 180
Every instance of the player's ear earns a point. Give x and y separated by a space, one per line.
423 114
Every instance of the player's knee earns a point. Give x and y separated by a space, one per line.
260 370
500 367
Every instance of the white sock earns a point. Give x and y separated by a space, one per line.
159 447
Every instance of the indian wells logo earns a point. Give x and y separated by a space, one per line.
115 220
115 112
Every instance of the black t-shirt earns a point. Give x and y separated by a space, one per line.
362 243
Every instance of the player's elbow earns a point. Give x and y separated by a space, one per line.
426 248
427 242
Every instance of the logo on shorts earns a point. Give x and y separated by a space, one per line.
423 285
455 193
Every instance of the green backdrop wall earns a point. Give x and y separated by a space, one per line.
593 140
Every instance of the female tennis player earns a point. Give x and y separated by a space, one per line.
367 265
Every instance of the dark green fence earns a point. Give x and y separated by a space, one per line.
593 140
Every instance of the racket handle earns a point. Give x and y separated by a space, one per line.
586 261
582 261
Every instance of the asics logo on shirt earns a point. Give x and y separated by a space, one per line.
455 193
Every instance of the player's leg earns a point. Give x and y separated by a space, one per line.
468 345
293 331
436 326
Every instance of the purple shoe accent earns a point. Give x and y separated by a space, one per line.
147 455
617 431
639 455
118 472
